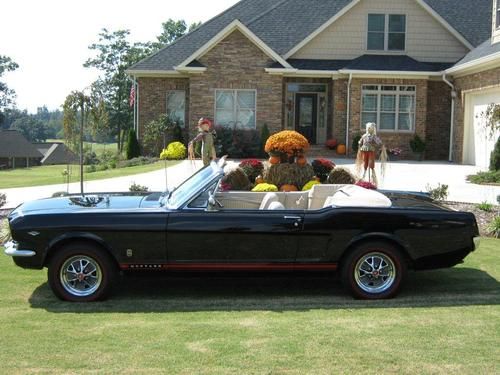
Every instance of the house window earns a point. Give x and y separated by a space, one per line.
392 108
235 108
176 107
386 32
497 12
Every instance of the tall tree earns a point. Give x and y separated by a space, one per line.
171 31
114 55
33 129
7 96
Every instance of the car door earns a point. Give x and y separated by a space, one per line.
250 237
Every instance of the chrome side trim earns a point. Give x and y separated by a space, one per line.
11 250
477 241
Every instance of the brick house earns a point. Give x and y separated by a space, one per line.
325 68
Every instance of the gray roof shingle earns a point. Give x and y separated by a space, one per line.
282 24
484 50
14 145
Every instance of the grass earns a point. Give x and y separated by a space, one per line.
51 174
445 321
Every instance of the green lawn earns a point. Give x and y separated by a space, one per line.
445 321
51 174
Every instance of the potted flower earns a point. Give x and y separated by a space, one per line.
417 145
331 144
394 153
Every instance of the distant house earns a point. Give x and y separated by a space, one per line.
16 151
56 153
326 67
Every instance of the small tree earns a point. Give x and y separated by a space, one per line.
132 148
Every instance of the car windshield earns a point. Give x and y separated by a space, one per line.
192 185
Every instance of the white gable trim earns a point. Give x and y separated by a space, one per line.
445 24
235 25
318 31
483 63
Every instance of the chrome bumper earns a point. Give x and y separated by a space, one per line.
12 250
477 241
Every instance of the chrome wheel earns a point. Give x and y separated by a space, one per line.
80 275
375 273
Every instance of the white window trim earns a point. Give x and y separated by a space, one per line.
166 104
386 35
379 92
234 109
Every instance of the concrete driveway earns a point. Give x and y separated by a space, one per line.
409 176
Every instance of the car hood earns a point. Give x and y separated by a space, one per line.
114 201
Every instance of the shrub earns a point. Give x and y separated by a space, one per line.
310 185
237 143
355 143
174 151
159 132
417 145
132 148
141 160
485 206
260 188
287 142
366 185
322 168
485 178
341 176
494 227
236 179
439 193
252 168
495 157
264 136
3 199
90 169
136 188
90 157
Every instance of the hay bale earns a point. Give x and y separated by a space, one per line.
288 174
341 176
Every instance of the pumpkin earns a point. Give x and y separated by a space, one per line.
259 180
341 149
274 160
287 188
301 160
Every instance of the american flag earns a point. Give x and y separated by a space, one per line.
132 95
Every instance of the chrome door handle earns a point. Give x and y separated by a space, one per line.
297 218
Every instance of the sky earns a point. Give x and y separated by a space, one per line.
49 39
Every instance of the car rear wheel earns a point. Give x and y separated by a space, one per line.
374 270
81 272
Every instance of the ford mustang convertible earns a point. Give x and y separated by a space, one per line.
371 238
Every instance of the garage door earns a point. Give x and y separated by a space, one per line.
477 142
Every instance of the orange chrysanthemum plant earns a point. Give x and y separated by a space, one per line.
286 145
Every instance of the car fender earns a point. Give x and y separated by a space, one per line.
373 236
65 238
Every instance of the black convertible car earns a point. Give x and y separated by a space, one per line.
371 238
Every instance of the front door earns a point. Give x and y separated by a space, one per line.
306 116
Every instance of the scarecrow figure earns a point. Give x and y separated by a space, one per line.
368 147
207 138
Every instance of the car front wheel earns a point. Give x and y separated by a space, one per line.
81 272
374 270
